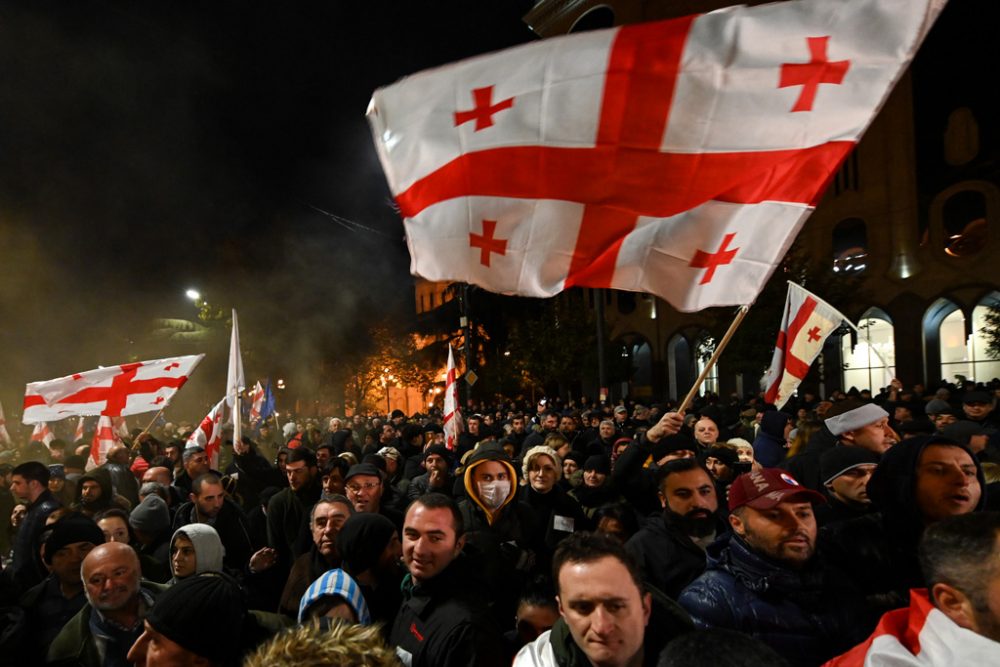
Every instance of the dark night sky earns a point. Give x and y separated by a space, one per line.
149 147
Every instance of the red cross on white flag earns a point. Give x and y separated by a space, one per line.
678 158
807 322
113 391
105 437
208 435
453 426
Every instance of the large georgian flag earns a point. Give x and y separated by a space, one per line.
114 391
920 636
678 158
805 325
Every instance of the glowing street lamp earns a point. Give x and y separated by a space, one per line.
193 294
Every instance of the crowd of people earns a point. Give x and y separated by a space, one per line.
557 533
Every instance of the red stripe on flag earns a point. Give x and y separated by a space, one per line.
650 183
793 364
638 91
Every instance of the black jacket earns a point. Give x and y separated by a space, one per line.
26 570
668 558
879 551
444 622
804 466
287 518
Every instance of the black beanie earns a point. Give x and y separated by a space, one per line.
70 530
182 611
440 450
598 462
362 539
727 455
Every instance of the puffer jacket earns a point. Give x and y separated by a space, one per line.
808 615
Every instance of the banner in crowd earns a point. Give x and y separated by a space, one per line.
113 391
678 158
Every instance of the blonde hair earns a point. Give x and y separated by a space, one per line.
310 645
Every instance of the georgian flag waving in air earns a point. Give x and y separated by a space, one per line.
113 391
678 158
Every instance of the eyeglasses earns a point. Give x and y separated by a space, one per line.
358 488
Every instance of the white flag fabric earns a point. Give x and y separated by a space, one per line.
806 324
678 158
78 435
208 435
114 391
105 437
235 381
920 636
256 402
453 426
42 433
4 435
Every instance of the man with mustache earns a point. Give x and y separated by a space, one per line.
764 579
670 549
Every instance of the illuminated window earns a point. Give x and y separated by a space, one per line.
966 357
871 362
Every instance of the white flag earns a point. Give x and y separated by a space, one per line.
678 158
452 413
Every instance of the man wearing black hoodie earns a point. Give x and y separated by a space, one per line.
288 510
918 482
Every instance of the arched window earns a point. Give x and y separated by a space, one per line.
871 363
965 229
850 246
966 356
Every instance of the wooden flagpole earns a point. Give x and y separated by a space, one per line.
740 314
135 442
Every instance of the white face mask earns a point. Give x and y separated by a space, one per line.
493 493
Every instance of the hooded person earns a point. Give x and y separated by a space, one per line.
597 489
502 534
150 521
769 447
370 550
194 549
918 482
334 595
95 493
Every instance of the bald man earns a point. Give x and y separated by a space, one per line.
117 601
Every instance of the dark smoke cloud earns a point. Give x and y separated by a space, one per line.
149 147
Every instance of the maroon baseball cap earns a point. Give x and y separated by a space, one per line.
765 488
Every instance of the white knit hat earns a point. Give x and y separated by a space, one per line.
868 413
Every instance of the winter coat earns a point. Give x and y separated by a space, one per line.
807 615
804 466
26 568
556 648
879 551
669 560
769 445
307 568
443 622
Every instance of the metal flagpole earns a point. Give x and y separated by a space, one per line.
740 314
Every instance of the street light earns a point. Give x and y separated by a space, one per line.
193 294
